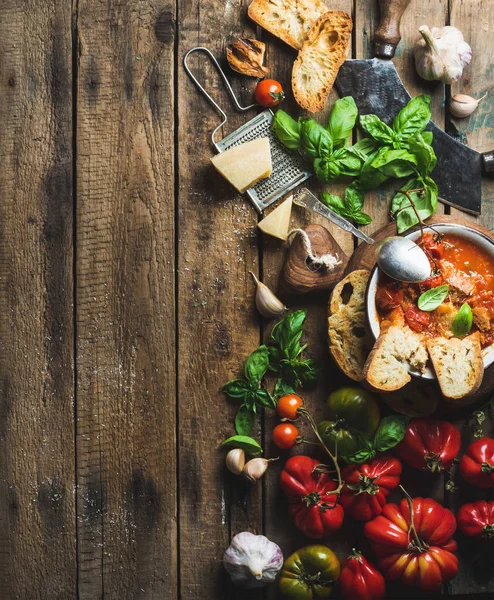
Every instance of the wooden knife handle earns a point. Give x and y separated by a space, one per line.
387 35
488 164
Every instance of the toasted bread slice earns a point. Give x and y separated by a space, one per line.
290 20
320 58
458 364
348 336
397 347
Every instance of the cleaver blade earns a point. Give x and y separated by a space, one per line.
377 89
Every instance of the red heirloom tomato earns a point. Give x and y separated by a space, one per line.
360 580
429 444
477 518
419 554
477 464
368 485
312 504
285 435
288 406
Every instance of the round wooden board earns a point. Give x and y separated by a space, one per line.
364 258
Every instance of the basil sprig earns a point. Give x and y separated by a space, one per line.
390 432
283 356
350 206
431 299
463 321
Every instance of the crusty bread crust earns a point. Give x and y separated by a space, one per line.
458 364
320 58
347 328
290 20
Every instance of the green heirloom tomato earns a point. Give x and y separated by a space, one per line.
309 573
354 416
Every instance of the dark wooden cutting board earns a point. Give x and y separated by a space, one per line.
364 258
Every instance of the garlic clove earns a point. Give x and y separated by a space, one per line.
266 302
462 106
255 468
235 461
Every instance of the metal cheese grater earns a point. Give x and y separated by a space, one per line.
288 167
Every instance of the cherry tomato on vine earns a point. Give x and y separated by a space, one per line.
285 435
288 406
269 93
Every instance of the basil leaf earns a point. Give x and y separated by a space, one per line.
342 120
425 155
354 198
326 170
282 387
245 442
463 321
425 203
361 218
377 129
414 117
257 364
431 299
287 130
263 398
236 388
365 454
363 149
390 432
288 330
347 162
244 420
371 178
395 163
317 142
427 136
306 371
333 202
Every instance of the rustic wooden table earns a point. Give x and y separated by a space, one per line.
125 300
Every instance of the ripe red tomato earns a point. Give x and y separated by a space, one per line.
422 555
388 297
477 519
477 464
368 485
288 405
269 93
429 444
360 580
312 504
285 435
417 319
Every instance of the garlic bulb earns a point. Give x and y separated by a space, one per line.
462 106
235 461
266 302
441 54
252 560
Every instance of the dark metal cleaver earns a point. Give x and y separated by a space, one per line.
377 89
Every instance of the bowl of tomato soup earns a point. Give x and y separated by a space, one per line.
461 258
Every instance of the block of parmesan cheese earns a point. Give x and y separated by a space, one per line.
243 166
278 221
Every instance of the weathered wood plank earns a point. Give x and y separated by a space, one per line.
218 327
37 478
125 310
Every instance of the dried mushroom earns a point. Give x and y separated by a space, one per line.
246 57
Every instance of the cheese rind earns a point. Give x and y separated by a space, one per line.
244 165
277 222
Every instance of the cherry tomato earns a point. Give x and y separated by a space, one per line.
388 297
285 435
288 405
269 93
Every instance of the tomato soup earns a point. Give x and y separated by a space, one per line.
466 269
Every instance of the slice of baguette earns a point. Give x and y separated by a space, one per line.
290 20
348 336
458 364
397 347
320 58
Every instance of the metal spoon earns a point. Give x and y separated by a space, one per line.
398 257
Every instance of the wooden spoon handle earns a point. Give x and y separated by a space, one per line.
387 35
488 164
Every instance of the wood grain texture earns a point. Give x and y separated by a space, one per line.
37 479
125 344
218 326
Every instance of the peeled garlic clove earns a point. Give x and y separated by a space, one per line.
266 302
235 461
462 106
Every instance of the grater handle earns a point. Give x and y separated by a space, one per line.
229 89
